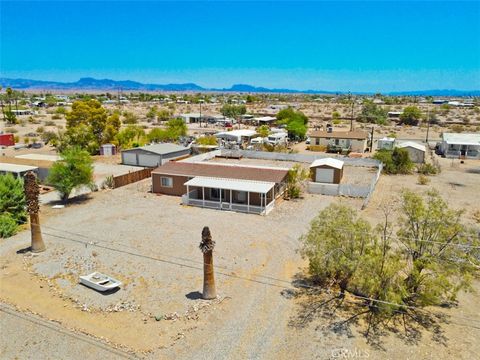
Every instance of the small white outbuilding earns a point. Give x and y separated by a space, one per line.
327 170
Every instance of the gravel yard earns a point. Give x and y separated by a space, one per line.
150 243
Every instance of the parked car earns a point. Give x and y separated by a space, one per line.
307 141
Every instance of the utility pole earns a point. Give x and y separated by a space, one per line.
371 140
200 102
351 119
428 124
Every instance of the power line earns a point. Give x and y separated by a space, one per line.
258 281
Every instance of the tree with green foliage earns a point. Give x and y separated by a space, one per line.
396 161
233 111
263 130
79 136
130 136
411 116
12 205
392 276
295 121
73 170
372 113
295 181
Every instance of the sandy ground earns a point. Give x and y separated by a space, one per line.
150 243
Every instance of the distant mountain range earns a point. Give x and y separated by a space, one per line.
114 85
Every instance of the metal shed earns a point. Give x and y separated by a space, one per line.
415 150
327 170
154 155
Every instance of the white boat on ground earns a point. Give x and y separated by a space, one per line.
99 281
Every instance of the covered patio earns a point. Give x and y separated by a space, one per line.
247 196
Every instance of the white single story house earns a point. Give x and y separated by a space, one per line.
460 145
16 170
237 136
154 155
415 150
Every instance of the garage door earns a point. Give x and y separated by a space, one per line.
324 175
129 158
148 160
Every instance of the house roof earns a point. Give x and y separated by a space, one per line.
15 168
335 163
412 145
237 133
42 157
356 134
231 184
160 149
462 139
222 171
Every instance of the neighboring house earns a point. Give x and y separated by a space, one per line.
355 141
15 169
386 143
460 145
236 136
264 120
42 162
191 118
415 150
154 155
327 170
7 139
227 187
277 138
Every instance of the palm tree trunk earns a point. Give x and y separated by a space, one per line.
37 240
209 291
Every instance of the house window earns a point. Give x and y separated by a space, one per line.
166 181
241 196
317 141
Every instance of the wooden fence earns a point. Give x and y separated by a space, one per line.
131 177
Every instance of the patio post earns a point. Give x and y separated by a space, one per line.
220 190
248 201
188 195
203 196
230 199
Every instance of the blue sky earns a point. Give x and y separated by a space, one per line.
345 46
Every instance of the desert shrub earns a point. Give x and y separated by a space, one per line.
49 123
108 183
11 130
423 180
457 128
40 129
49 137
207 140
321 148
56 116
427 169
16 138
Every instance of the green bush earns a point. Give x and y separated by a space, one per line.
8 226
427 169
395 162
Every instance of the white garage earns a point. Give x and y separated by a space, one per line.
327 170
154 155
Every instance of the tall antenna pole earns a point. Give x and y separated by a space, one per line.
428 124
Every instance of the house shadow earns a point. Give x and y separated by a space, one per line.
194 295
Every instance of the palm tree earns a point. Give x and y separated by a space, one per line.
31 193
207 246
